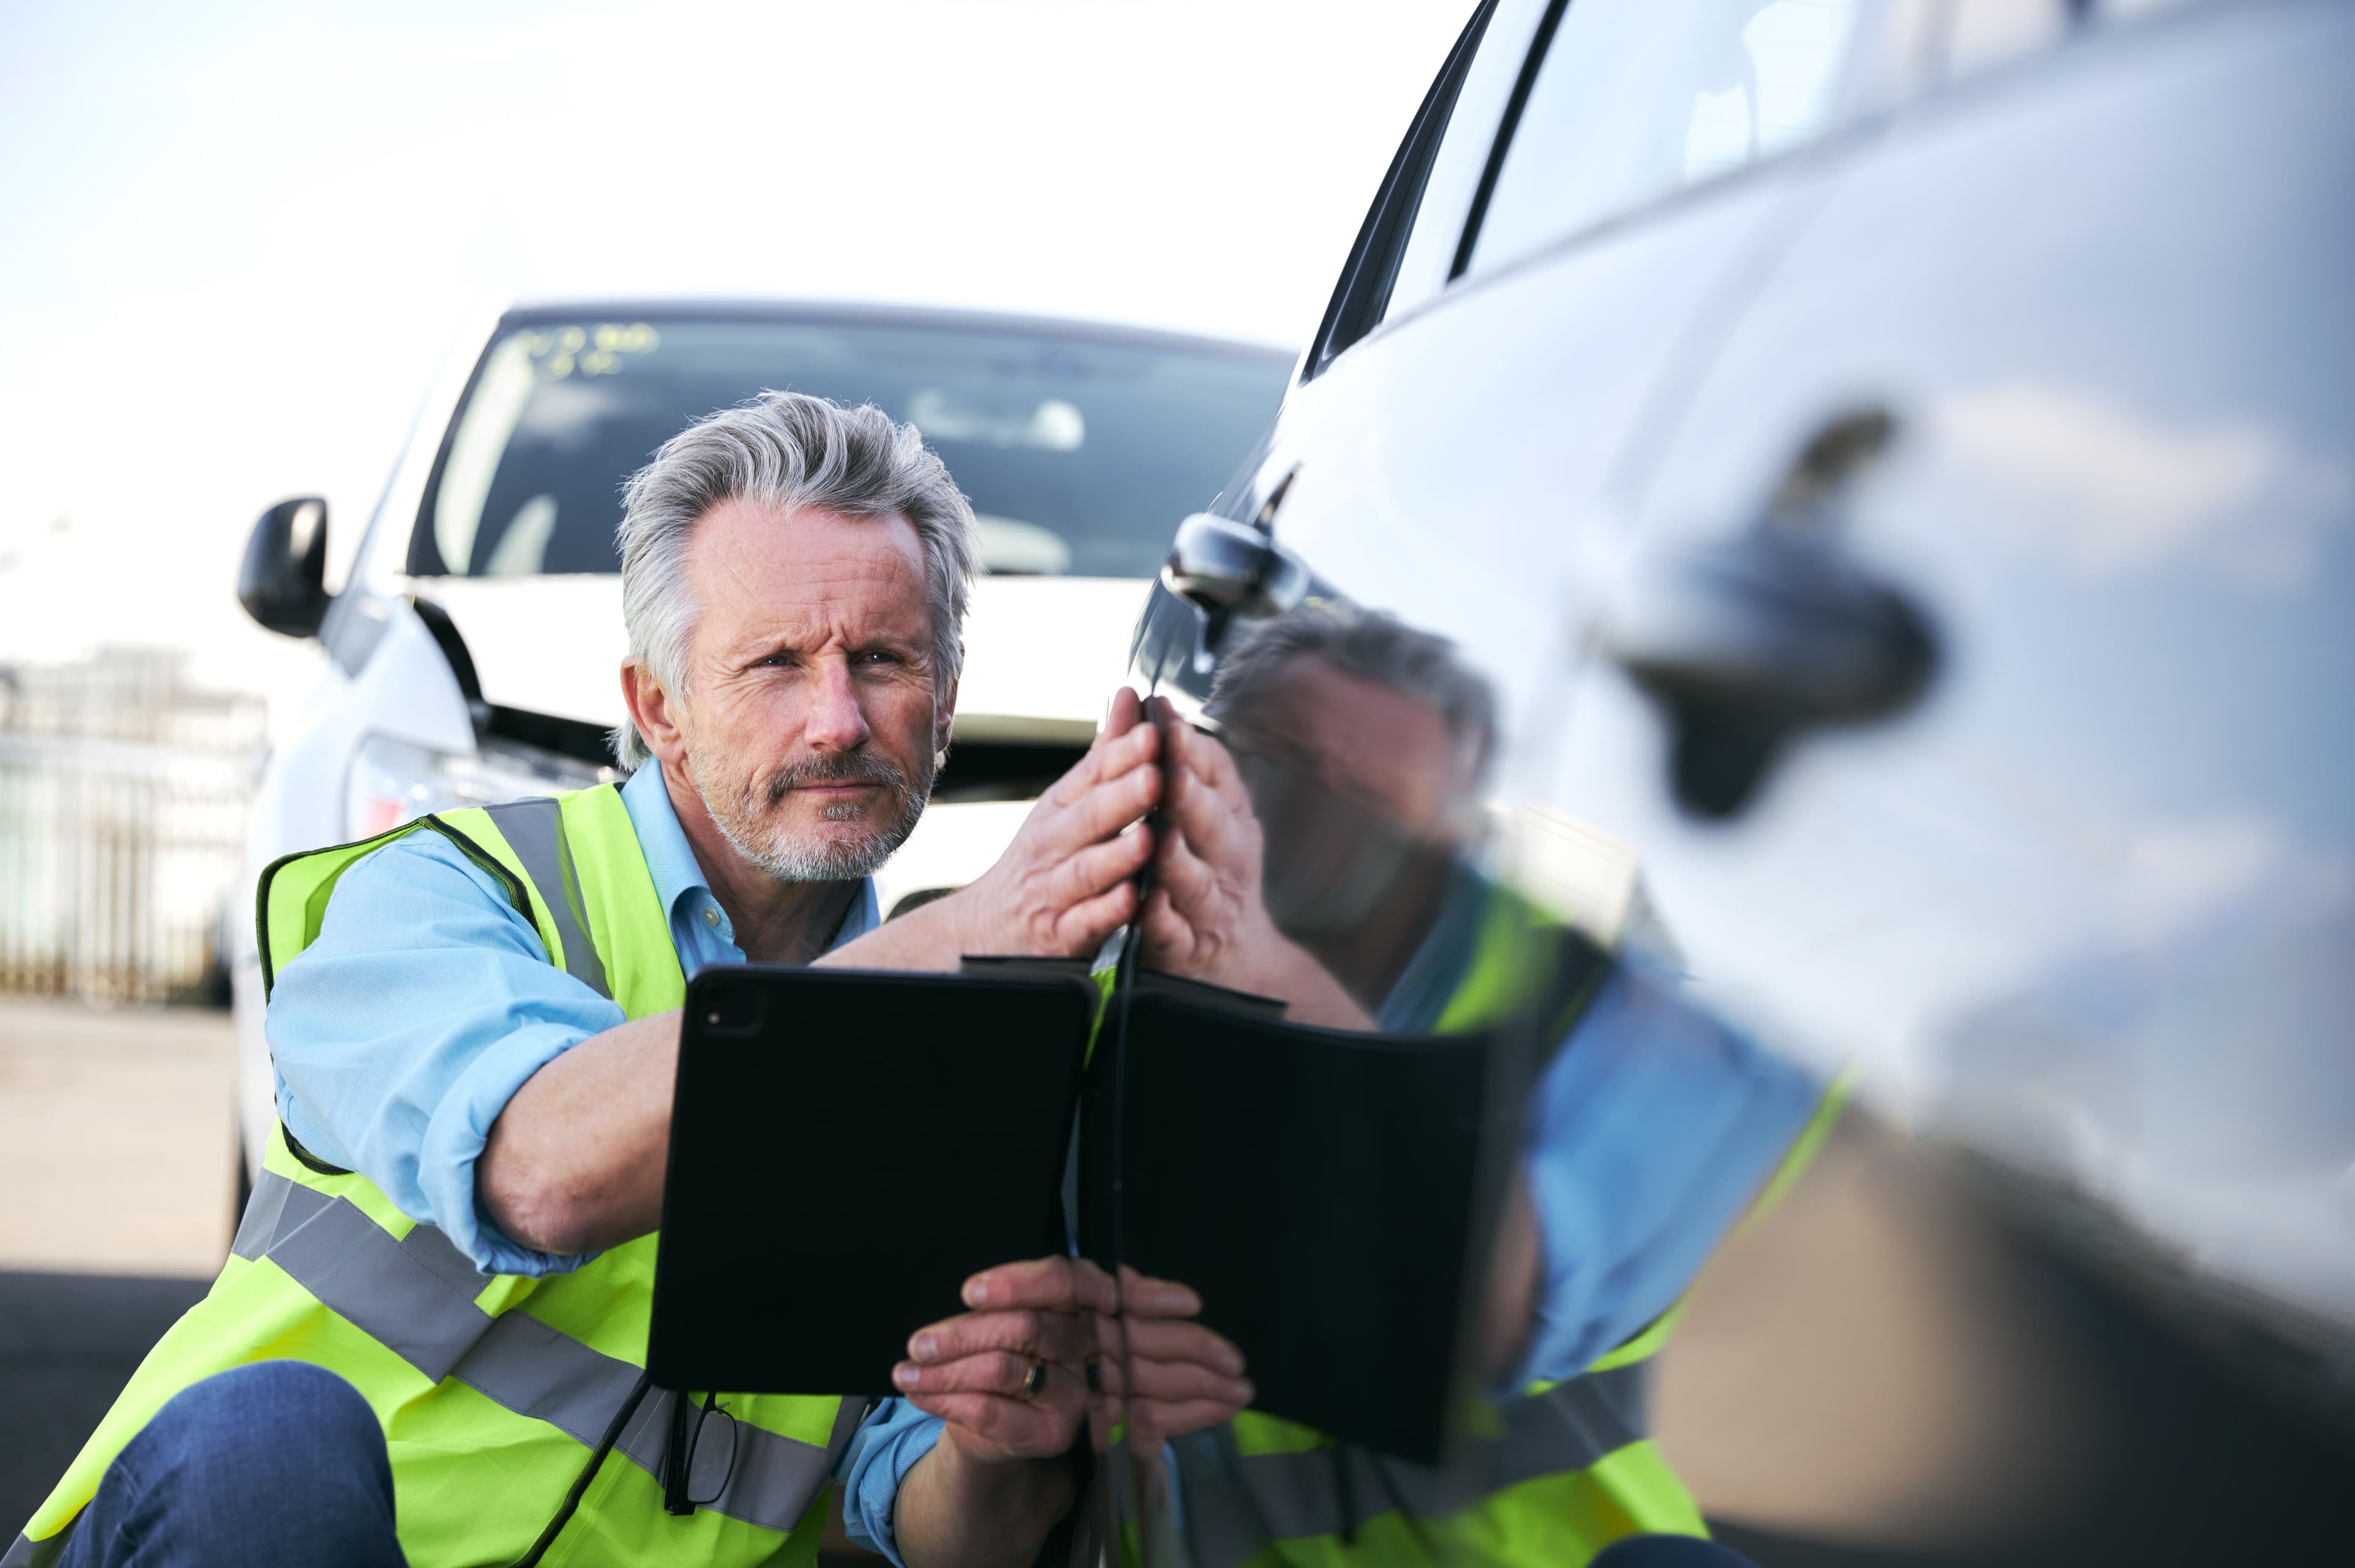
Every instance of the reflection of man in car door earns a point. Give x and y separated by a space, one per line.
1323 854
441 1292
1360 745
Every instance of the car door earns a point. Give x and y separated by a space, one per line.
1378 623
1971 696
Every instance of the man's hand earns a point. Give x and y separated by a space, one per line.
971 1370
1161 1374
1064 885
995 1482
1206 918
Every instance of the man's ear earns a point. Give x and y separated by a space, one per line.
654 711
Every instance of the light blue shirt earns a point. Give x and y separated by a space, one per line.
401 1034
1651 1129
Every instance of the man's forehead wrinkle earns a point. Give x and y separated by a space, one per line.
811 578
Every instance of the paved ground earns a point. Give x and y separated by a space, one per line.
1884 1375
117 1166
117 1147
68 1343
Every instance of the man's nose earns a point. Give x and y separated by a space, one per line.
835 721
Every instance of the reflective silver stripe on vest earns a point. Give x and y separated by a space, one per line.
533 829
27 1554
1236 1504
416 1297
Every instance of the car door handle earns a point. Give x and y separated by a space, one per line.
1746 644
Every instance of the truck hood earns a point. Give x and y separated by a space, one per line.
1042 653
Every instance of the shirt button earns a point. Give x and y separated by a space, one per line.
710 915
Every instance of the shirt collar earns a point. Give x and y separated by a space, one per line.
679 877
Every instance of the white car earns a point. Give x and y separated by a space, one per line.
473 654
1893 467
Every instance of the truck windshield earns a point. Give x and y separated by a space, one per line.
1078 454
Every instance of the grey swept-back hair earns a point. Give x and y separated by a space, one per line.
788 451
1370 645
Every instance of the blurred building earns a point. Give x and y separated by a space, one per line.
123 793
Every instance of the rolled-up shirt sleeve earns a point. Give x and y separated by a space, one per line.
400 1035
887 1445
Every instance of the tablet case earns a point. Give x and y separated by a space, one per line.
847 1147
1318 1190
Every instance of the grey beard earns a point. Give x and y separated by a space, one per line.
828 860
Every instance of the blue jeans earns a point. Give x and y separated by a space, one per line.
275 1465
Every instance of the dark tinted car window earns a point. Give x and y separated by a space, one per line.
1077 453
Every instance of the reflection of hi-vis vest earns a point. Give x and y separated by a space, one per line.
1561 1471
493 1389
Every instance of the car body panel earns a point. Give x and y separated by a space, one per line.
2121 365
2075 911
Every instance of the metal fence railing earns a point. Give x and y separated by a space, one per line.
123 798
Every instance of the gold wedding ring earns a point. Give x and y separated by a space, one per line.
1034 1382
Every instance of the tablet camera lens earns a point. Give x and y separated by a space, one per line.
731 1009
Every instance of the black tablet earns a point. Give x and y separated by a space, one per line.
1318 1189
847 1147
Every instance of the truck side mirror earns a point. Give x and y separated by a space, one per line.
283 583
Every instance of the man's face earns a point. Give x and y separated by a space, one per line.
1351 780
1382 750
813 715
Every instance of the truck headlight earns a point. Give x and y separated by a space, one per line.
392 781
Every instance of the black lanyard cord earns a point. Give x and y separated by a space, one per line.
588 1474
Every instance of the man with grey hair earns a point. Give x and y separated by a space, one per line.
475 1023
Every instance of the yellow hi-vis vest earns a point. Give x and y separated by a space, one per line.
492 1390
1561 1471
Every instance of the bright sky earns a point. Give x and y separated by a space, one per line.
239 238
